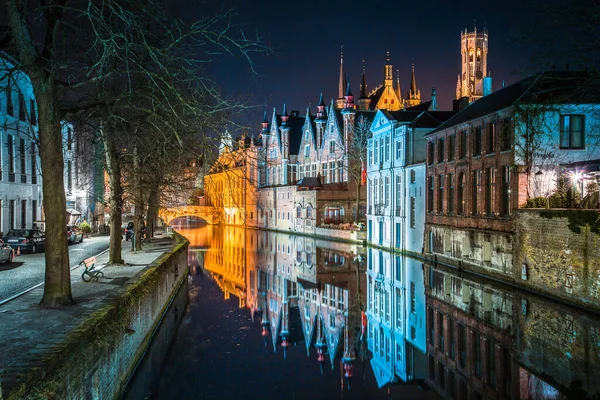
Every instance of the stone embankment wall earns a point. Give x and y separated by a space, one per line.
99 356
557 252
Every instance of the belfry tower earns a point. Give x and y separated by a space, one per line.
474 51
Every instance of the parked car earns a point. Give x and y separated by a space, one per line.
31 240
6 253
74 234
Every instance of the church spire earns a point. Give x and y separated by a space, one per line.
398 90
413 81
342 82
363 85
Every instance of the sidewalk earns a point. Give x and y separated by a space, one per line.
30 336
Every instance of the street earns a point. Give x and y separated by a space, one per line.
27 269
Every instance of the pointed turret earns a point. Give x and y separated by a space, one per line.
284 115
414 95
340 102
226 144
398 88
363 101
265 124
349 97
458 88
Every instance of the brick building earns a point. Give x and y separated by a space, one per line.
483 165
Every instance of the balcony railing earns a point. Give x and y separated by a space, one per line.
379 209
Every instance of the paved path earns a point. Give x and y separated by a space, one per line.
28 333
27 269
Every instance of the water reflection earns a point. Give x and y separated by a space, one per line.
311 294
489 341
292 316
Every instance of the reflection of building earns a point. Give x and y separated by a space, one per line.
303 289
469 335
395 309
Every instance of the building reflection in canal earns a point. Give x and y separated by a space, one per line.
463 336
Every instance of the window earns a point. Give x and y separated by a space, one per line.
450 201
491 362
430 153
571 132
387 190
475 187
479 54
398 194
477 142
505 197
440 156
23 214
413 212
370 153
23 160
430 325
413 297
441 332
398 307
491 138
462 345
430 189
451 338
490 188
451 145
332 146
309 212
398 149
11 158
470 55
33 210
462 146
22 109
413 176
32 112
10 108
11 215
476 352
505 135
440 206
306 150
387 148
460 202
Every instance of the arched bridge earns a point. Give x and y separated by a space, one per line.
210 214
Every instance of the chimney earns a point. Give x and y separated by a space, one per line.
487 85
460 104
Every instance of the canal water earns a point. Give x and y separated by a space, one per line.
282 316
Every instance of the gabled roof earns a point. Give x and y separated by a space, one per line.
432 119
424 106
548 87
310 182
295 123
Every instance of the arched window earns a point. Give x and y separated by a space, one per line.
461 194
298 212
470 55
309 212
479 54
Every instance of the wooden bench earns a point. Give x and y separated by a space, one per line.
91 271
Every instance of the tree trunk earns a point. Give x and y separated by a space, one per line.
113 167
357 217
57 288
153 202
138 201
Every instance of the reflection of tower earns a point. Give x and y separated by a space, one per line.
474 50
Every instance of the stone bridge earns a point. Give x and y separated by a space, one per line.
210 214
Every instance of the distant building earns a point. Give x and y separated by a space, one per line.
474 52
20 178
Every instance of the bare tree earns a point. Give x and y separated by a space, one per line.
357 159
96 56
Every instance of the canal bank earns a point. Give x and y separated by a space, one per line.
91 349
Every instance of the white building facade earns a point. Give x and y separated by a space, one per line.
20 180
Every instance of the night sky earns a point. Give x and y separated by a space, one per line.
306 38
